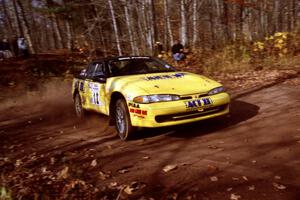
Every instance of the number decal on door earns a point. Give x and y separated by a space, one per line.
95 98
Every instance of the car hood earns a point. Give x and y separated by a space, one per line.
180 83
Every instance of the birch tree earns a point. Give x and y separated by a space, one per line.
196 5
7 19
25 27
168 30
183 28
115 26
129 27
18 20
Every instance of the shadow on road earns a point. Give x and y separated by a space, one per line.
239 111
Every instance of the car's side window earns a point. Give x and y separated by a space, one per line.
99 69
90 70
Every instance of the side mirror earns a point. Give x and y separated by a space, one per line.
101 78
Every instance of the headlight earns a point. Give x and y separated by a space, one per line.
156 98
216 90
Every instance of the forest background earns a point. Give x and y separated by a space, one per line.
217 33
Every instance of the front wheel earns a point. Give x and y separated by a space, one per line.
122 119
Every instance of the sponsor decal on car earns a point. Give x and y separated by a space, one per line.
135 105
167 76
138 112
198 104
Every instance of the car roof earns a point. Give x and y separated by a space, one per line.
116 58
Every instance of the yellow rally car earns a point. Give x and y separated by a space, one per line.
142 91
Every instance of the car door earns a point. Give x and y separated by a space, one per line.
82 85
96 87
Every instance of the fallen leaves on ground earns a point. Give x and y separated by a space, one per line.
123 171
277 177
279 186
63 174
251 188
173 196
213 178
168 168
94 163
134 186
212 168
103 175
235 197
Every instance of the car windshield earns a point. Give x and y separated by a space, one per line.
139 65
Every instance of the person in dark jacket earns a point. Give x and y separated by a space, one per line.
5 51
177 51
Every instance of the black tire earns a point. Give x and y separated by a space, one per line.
122 120
80 112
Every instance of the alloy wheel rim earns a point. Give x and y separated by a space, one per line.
120 121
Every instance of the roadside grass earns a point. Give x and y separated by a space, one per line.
278 51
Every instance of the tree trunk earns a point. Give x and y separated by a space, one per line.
115 27
226 21
240 20
19 25
168 31
195 22
129 26
146 29
49 43
183 28
69 35
26 28
7 20
32 26
196 7
133 28
212 29
295 11
218 23
152 13
56 31
262 18
103 43
276 15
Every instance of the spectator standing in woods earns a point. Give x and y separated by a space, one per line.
1 51
15 46
177 51
22 47
5 51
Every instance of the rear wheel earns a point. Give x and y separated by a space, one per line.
122 119
78 106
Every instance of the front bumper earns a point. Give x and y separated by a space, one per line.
178 112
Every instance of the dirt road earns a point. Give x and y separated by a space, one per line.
47 152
